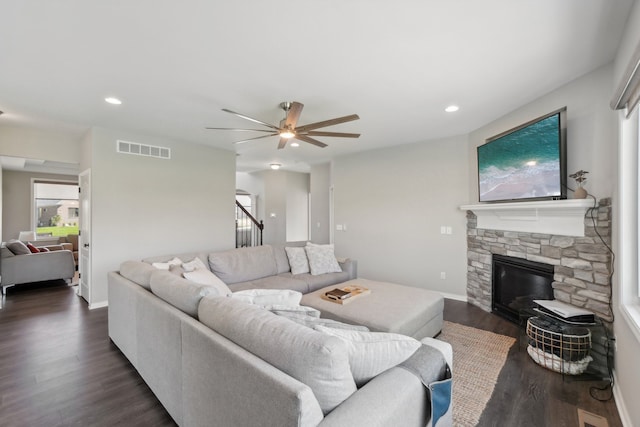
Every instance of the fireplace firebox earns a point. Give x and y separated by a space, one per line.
516 283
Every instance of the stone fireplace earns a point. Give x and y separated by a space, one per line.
582 262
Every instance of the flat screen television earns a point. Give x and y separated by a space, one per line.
527 162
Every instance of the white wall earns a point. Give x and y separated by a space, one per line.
591 131
627 373
297 207
37 144
393 202
145 206
320 189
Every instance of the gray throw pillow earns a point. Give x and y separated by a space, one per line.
18 248
322 259
297 260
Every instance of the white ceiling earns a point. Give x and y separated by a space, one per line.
175 64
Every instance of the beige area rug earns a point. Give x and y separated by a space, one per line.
478 358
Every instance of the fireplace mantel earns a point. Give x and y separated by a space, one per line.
561 217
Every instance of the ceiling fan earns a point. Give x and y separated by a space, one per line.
288 128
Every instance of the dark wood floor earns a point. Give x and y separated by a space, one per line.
527 394
59 368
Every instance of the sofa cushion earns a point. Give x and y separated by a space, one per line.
243 264
273 282
282 261
195 264
167 265
179 292
371 353
318 360
138 272
205 277
297 260
17 247
269 297
322 259
312 321
320 281
185 257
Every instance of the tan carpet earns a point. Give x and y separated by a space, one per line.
478 358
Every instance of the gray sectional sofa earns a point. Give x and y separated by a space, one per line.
16 269
213 360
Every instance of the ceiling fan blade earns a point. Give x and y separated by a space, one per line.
250 118
293 114
236 129
310 140
257 137
338 134
327 123
282 143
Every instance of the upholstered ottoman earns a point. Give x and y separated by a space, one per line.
388 308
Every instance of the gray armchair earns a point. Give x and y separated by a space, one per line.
58 263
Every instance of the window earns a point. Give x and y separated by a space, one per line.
56 208
629 219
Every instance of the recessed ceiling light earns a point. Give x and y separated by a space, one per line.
295 144
275 166
452 109
112 100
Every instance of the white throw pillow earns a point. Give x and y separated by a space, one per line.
205 277
322 259
194 264
269 297
167 265
297 260
371 353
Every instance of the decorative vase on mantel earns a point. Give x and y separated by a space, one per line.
580 178
580 193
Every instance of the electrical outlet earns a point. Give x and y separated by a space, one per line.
449 230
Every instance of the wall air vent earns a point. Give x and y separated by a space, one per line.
128 147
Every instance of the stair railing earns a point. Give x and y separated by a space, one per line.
248 229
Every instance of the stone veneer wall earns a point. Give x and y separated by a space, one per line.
582 265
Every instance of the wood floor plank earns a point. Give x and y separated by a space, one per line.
58 367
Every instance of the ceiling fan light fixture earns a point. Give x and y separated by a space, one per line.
275 166
112 100
287 133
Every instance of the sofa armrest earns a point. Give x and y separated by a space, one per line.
442 346
350 266
396 397
37 267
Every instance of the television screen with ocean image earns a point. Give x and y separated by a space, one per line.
524 163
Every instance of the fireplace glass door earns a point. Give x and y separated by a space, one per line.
516 283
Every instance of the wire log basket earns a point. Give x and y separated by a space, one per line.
563 349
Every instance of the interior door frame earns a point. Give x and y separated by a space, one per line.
84 238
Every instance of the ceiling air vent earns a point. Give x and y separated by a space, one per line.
128 147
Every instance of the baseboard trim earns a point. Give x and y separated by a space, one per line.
620 404
456 297
100 304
